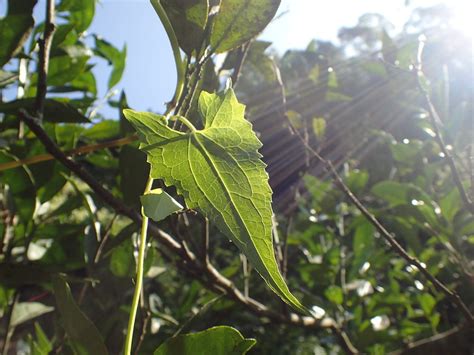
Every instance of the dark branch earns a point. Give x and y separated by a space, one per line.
43 64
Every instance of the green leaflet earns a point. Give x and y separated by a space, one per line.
158 205
219 172
221 340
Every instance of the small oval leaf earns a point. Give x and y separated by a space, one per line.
158 205
220 340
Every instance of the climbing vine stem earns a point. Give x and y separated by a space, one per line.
139 277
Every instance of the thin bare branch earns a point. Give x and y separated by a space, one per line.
81 150
44 51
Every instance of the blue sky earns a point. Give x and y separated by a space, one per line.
149 76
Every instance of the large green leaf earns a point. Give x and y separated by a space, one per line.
219 172
240 20
82 332
188 18
220 340
15 28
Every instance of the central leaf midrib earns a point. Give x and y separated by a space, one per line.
208 157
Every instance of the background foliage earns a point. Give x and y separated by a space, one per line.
68 257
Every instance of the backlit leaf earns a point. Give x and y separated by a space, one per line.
219 172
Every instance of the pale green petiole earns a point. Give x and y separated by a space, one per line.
139 278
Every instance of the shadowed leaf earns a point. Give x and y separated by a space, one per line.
220 340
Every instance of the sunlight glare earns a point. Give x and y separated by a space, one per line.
462 16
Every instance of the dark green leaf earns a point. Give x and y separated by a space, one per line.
133 174
78 327
188 18
220 340
15 28
239 21
54 110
